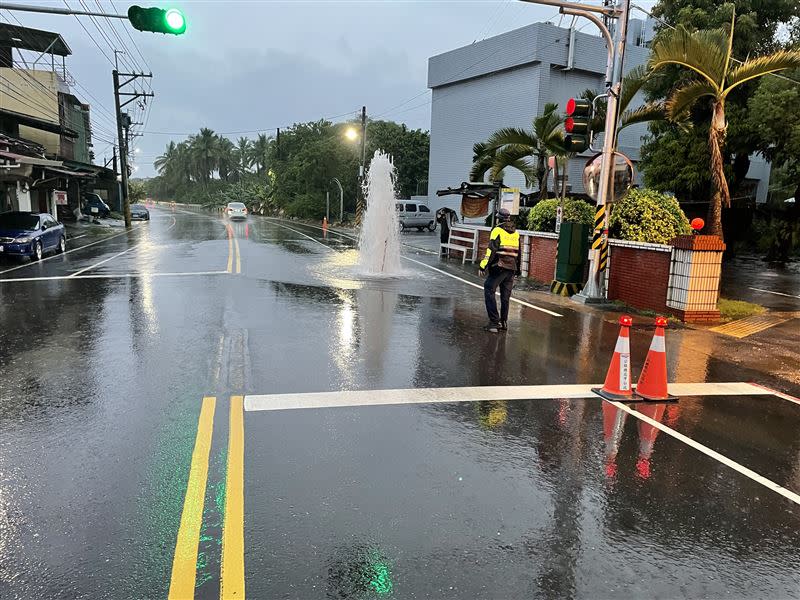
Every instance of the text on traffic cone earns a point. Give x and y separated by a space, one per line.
618 379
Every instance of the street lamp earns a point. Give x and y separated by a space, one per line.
341 199
352 134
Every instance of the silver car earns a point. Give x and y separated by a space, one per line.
236 210
414 214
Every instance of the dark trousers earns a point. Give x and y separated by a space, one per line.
504 279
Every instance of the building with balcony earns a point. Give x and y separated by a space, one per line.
45 129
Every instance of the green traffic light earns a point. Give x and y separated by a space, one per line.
175 20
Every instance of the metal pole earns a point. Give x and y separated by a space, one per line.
361 172
328 206
123 152
341 199
57 11
594 291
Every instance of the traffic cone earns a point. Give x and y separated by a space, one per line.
652 384
618 380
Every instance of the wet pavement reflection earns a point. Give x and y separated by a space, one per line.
102 381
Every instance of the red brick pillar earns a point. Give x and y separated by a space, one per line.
695 271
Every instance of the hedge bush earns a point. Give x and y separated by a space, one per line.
542 217
646 215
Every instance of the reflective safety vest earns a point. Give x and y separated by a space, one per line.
507 252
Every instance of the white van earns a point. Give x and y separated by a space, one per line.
414 214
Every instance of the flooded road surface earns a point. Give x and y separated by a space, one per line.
129 467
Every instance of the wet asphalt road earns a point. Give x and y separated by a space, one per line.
106 354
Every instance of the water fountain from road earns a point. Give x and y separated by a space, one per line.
379 242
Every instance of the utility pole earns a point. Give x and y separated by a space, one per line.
594 290
361 171
123 123
341 199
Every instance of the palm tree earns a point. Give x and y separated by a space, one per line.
226 158
167 160
708 54
244 156
204 152
632 83
260 151
525 151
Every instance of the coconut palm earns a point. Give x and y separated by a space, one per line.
226 158
708 54
244 158
260 151
524 150
204 152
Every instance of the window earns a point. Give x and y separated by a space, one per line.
48 221
411 208
423 208
16 220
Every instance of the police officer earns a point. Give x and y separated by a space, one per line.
502 261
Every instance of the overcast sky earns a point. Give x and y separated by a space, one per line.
259 65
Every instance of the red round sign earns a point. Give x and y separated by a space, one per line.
698 223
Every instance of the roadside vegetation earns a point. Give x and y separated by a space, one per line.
289 174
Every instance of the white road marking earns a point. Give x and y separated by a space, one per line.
97 264
28 264
304 235
769 484
480 287
90 267
112 276
776 293
77 237
473 394
778 394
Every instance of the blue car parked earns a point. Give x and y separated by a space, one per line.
30 234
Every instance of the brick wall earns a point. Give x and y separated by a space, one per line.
639 277
543 259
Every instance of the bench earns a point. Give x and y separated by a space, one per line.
461 234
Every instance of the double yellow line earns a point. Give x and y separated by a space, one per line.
184 563
233 242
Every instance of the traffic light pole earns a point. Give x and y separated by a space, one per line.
122 137
594 290
51 10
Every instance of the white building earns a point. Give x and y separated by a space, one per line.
506 80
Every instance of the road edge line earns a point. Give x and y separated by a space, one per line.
739 468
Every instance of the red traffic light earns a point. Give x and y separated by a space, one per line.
570 106
626 320
698 224
569 124
578 107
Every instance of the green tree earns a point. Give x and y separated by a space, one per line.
244 157
774 122
226 158
204 151
707 54
648 216
260 152
526 151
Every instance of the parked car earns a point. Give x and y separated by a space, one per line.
94 205
30 234
414 214
139 212
236 210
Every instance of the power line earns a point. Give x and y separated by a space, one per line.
135 45
114 31
256 130
111 62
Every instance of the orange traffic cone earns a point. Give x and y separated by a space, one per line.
652 384
618 379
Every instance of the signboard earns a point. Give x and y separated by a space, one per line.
509 199
60 198
559 216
